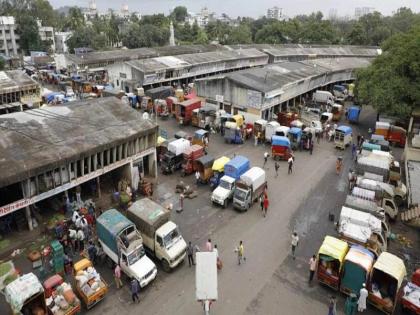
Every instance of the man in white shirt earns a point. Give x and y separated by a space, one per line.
312 268
361 304
290 162
295 242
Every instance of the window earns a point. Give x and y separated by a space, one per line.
159 241
118 82
388 203
123 75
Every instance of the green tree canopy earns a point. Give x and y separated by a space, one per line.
147 35
391 83
179 14
28 31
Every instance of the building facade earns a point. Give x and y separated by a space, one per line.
46 34
60 39
9 39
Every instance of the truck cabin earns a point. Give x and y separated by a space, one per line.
168 235
227 182
241 192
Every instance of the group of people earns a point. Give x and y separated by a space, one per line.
264 203
290 162
353 303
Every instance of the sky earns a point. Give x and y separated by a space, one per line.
253 8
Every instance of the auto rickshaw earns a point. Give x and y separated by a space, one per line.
146 103
295 134
238 119
199 137
204 166
194 118
190 155
182 135
218 171
161 108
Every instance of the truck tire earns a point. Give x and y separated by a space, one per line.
165 265
225 204
398 200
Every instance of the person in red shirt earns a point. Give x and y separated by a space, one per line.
266 203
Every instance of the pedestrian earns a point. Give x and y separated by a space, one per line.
75 217
266 204
209 246
312 268
219 263
265 158
358 140
117 276
318 136
262 204
80 240
362 139
353 150
361 303
332 306
276 167
255 140
295 243
73 240
135 288
338 165
311 147
197 177
92 252
240 251
79 195
290 162
350 307
190 253
181 202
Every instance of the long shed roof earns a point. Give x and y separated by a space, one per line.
15 80
42 139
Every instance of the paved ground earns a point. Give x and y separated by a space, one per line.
270 282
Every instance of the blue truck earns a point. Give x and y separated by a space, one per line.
353 114
123 244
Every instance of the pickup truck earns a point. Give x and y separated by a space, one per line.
123 244
233 170
92 293
385 190
161 236
249 188
387 204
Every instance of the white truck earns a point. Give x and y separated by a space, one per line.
364 205
161 237
270 130
370 235
123 244
224 192
323 97
399 193
249 188
387 204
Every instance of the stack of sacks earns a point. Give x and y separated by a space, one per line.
61 299
89 281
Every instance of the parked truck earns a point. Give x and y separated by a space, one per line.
232 172
323 97
173 158
55 287
381 165
384 190
388 204
25 295
249 188
184 110
123 244
161 236
365 206
353 114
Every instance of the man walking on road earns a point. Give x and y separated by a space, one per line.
265 158
209 246
295 242
266 203
361 304
312 268
197 178
135 290
353 150
276 167
240 251
190 253
290 162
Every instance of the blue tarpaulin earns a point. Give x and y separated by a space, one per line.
280 140
295 131
345 129
236 167
353 113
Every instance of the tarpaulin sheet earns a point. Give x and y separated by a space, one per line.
20 290
334 247
391 265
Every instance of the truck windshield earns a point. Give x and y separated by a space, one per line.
135 255
224 185
240 194
171 237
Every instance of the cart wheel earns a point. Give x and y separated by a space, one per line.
225 204
165 266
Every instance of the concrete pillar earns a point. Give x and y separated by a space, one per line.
98 186
29 218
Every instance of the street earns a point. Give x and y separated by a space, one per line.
270 281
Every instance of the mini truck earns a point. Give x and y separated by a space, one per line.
123 244
249 188
51 287
343 137
160 235
172 159
232 170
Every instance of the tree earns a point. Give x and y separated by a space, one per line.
390 83
273 33
28 31
179 14
43 10
145 36
75 19
239 35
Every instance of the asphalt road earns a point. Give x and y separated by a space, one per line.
270 282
